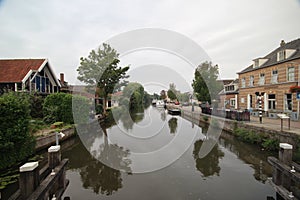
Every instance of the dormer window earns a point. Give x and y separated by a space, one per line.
229 88
284 54
259 62
281 55
256 63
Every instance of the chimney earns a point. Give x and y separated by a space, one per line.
62 78
282 43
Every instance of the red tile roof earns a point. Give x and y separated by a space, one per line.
14 70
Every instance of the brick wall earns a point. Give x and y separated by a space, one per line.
280 89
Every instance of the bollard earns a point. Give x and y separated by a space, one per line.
29 179
286 153
54 156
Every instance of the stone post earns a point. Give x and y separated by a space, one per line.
285 156
54 156
29 179
286 153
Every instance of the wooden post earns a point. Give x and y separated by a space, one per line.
29 178
286 153
54 156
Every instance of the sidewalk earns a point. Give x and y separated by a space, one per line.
275 124
267 123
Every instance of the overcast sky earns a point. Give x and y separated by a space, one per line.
231 32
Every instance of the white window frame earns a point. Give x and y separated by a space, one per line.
274 76
232 102
243 83
261 78
290 74
251 81
286 107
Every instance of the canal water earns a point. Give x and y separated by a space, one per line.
231 170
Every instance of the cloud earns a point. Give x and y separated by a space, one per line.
232 32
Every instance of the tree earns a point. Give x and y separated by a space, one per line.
134 92
205 84
62 106
101 69
163 94
172 93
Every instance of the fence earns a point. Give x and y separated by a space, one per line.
228 114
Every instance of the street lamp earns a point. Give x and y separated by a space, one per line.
260 94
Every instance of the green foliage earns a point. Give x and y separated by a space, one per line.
172 92
58 107
163 94
101 69
99 109
16 143
58 124
205 84
171 95
36 125
36 106
205 118
133 96
271 144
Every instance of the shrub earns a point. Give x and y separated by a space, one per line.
271 144
36 106
60 107
16 143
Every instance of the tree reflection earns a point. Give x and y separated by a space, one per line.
209 165
96 175
135 116
173 125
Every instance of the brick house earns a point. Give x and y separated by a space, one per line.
272 76
32 75
228 97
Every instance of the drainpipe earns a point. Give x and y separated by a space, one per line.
296 93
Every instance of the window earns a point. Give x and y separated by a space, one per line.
281 55
232 102
274 78
262 79
291 74
243 82
256 63
272 101
251 81
288 104
229 88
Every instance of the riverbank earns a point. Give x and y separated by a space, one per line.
270 128
46 141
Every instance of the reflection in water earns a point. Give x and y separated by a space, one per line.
209 165
173 125
249 154
163 114
135 116
230 155
96 175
